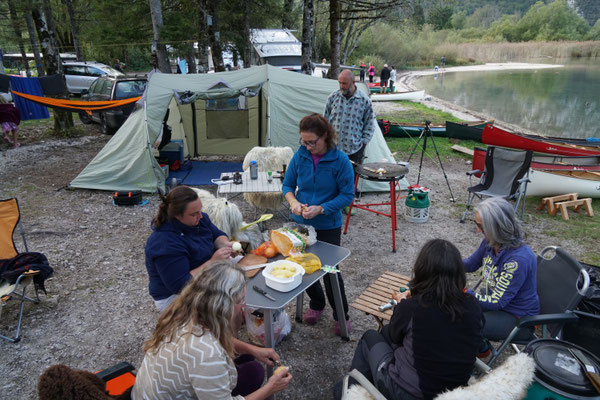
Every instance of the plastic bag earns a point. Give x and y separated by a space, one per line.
293 238
282 325
309 261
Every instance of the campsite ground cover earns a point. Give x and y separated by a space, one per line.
98 312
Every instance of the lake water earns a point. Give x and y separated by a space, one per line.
555 102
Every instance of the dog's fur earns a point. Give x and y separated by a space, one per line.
268 159
64 383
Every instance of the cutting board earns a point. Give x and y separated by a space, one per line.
249 260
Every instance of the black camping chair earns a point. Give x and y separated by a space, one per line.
506 175
562 282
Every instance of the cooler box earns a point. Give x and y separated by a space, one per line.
173 151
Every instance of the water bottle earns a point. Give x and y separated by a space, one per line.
253 169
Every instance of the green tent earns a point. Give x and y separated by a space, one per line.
219 113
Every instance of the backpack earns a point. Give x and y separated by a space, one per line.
12 268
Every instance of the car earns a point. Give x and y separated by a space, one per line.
80 75
112 88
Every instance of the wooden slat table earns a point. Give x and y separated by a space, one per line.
378 293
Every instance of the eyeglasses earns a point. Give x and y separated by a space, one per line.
311 143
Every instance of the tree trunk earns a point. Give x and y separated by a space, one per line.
191 59
161 50
334 33
214 36
17 29
74 29
202 37
307 37
286 20
34 44
247 44
42 16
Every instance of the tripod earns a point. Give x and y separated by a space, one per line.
425 133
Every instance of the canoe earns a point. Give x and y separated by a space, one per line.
409 95
376 89
547 162
465 131
393 129
492 135
552 183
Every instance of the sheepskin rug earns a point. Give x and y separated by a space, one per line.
509 381
268 159
228 218
357 392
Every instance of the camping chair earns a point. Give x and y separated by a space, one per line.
506 175
10 216
561 284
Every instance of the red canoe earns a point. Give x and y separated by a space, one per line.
495 136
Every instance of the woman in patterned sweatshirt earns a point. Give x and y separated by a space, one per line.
191 352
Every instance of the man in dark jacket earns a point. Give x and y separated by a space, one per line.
384 77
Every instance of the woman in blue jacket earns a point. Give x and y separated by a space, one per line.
183 242
318 183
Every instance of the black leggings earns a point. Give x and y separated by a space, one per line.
315 291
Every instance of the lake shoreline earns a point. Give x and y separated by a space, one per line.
406 81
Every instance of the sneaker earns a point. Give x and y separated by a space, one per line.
311 316
337 330
346 209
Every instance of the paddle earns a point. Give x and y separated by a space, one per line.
264 217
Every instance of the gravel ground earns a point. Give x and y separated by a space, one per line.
98 311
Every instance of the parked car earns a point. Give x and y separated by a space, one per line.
112 88
81 74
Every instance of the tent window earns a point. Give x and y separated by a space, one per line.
227 125
229 104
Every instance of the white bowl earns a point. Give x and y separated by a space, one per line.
283 284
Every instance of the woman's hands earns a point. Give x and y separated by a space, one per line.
265 355
279 382
401 296
311 211
297 208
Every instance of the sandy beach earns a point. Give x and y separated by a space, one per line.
406 81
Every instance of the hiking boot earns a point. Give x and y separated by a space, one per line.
338 331
311 316
346 209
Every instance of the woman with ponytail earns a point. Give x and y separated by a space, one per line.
183 242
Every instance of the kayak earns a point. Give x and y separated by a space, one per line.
393 129
556 182
409 95
466 131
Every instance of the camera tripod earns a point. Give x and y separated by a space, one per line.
425 133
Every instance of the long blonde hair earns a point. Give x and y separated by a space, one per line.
206 302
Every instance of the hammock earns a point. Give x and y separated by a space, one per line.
76 105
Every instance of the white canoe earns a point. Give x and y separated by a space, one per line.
410 95
552 183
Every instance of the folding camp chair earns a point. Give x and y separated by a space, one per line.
10 216
562 282
506 175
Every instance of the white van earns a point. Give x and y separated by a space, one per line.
80 75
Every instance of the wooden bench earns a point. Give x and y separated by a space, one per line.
378 293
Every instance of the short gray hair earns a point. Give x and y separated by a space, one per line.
500 224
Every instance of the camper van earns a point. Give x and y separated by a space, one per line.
277 47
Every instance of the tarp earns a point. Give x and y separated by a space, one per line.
28 109
274 101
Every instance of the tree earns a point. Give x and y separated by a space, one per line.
335 11
44 23
214 36
161 50
17 29
74 29
307 36
34 44
440 16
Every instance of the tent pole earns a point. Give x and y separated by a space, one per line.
260 117
194 129
157 174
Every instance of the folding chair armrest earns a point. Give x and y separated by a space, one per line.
545 319
114 371
26 275
475 171
524 179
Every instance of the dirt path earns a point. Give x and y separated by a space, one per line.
98 311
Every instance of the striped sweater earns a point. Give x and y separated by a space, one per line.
189 367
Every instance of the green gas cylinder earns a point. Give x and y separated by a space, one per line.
417 199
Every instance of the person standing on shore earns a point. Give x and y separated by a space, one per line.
371 72
443 62
363 69
392 78
383 79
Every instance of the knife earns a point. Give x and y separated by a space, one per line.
262 291
588 368
251 267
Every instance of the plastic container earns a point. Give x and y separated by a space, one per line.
417 206
283 284
253 169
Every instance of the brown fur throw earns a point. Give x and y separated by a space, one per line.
64 383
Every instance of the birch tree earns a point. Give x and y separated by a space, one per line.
157 24
307 36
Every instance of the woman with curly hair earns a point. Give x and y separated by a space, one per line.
191 352
183 242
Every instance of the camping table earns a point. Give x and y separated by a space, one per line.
260 185
330 255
